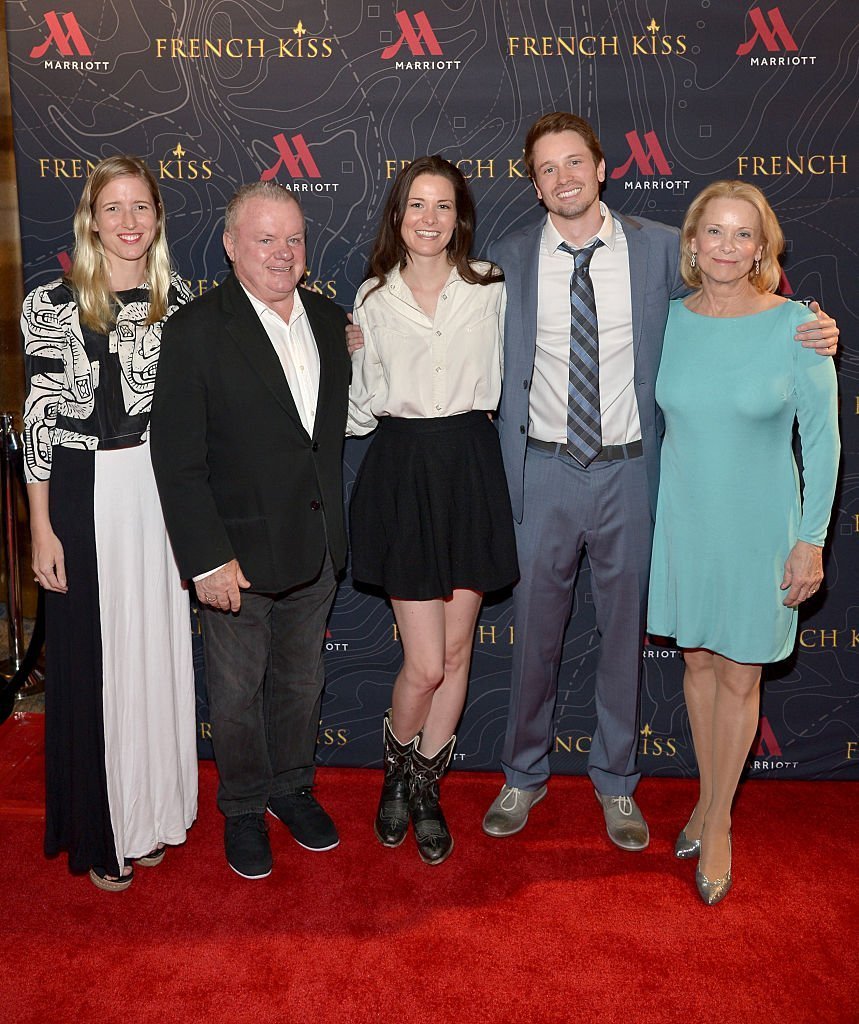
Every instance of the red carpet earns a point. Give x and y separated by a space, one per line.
553 925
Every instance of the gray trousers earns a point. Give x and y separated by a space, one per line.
606 510
265 673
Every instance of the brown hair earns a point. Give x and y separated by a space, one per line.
90 273
560 121
772 237
389 249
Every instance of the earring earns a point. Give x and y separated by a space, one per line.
757 268
693 259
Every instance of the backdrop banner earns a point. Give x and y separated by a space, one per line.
330 99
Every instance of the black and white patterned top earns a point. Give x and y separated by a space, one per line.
85 389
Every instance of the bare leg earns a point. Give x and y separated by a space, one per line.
429 692
699 688
460 618
421 629
735 720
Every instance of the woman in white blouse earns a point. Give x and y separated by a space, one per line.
430 513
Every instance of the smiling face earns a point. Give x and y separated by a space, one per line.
567 178
125 219
728 240
429 219
266 246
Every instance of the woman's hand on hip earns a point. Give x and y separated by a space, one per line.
803 573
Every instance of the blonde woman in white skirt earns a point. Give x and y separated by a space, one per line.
120 751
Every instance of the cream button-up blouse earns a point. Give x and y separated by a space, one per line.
413 365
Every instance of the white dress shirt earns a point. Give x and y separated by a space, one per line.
416 366
609 271
295 346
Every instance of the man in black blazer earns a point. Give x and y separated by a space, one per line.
247 430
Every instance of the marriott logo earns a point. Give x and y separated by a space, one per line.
65 39
420 41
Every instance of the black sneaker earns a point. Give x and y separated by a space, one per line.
247 846
309 823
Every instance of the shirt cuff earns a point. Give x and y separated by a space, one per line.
211 572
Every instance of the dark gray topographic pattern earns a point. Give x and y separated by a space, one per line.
675 105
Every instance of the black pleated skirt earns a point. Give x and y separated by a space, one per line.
430 511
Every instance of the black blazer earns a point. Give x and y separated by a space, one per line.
237 473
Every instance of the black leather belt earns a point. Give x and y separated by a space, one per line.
609 453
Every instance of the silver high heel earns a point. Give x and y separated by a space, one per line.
686 848
714 892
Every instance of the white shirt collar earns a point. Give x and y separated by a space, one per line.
396 284
261 308
552 238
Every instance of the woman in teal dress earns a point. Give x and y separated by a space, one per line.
736 550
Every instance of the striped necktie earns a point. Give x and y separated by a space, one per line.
584 429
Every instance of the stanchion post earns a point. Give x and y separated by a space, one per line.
11 447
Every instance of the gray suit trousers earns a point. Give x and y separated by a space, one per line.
604 509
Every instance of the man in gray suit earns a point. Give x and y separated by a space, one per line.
587 302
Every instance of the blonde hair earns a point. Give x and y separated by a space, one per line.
772 237
90 273
256 190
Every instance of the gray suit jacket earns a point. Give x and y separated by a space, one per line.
654 257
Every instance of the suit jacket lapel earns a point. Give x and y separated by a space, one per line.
638 245
529 271
250 337
327 354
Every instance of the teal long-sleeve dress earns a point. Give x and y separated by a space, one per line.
729 508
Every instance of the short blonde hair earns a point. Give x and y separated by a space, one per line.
90 273
772 237
256 190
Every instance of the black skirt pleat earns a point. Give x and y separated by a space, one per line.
430 512
77 814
